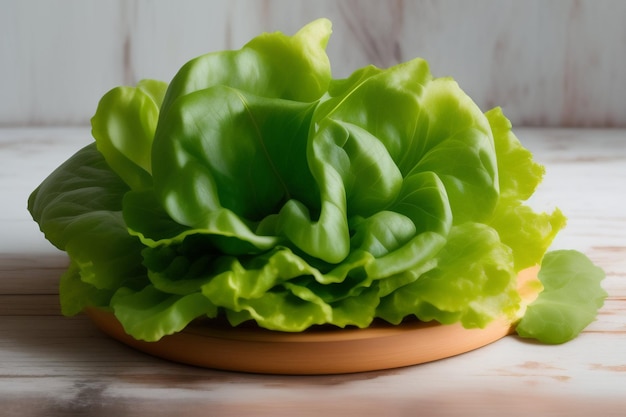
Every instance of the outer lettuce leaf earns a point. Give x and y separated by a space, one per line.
245 287
528 233
520 174
78 207
124 126
150 314
473 283
76 294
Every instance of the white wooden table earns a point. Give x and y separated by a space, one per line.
51 365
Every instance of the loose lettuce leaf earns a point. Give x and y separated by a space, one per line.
570 300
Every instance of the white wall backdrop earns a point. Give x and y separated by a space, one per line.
546 62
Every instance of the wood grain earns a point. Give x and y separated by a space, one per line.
557 63
52 365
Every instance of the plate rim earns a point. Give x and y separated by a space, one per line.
315 352
309 353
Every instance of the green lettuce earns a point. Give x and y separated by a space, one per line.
255 186
570 298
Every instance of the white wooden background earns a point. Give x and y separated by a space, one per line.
548 63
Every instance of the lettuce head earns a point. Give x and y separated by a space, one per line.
255 186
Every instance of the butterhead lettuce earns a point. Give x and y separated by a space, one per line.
254 186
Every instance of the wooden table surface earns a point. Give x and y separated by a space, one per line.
51 365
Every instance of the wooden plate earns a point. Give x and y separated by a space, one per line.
315 351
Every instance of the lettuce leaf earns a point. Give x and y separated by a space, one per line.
79 208
271 65
473 283
528 233
124 126
256 187
570 300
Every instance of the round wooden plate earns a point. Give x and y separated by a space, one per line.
313 352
